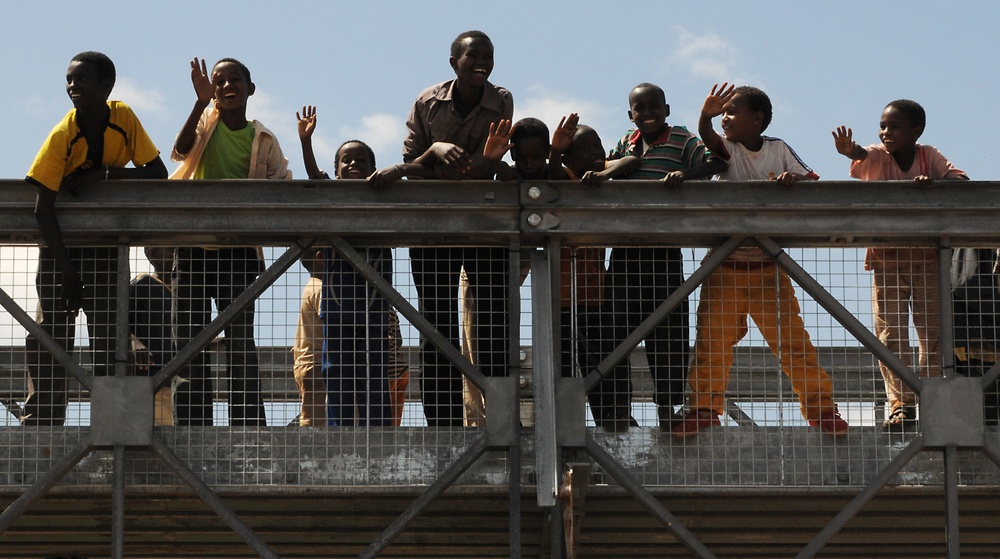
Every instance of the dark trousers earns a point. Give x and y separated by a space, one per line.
593 331
356 373
98 269
436 274
199 277
638 281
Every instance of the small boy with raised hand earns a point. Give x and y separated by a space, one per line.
92 143
357 321
904 280
528 143
447 127
641 278
218 142
748 282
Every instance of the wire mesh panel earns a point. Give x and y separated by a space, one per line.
329 377
780 389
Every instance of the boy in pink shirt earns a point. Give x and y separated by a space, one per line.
905 280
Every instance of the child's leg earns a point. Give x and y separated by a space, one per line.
472 397
927 317
399 369
487 269
374 401
98 268
190 312
238 268
775 309
435 277
890 302
339 348
722 314
667 345
46 400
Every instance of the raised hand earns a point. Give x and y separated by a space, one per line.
202 81
307 121
843 139
562 138
498 142
717 99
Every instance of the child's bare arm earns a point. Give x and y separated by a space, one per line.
307 125
204 90
713 166
713 107
789 178
615 168
71 286
388 175
844 141
79 180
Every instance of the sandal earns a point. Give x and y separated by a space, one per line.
900 419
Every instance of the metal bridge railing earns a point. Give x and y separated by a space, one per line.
550 271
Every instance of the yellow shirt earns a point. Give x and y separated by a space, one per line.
65 150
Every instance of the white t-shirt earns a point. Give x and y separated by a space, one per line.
773 158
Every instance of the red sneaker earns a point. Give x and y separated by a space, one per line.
694 421
831 423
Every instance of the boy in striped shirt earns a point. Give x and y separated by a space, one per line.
640 278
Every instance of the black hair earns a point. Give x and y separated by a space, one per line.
529 128
911 110
105 67
756 100
456 45
647 85
243 67
371 153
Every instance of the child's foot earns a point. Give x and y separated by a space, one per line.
903 418
830 422
694 421
668 417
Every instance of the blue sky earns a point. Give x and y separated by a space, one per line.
362 63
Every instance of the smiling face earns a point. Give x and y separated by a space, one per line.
474 63
648 110
231 86
354 162
897 132
585 153
739 123
85 89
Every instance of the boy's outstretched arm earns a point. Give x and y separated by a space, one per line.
204 91
388 175
713 166
307 125
616 168
497 144
843 139
77 181
713 107
562 138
